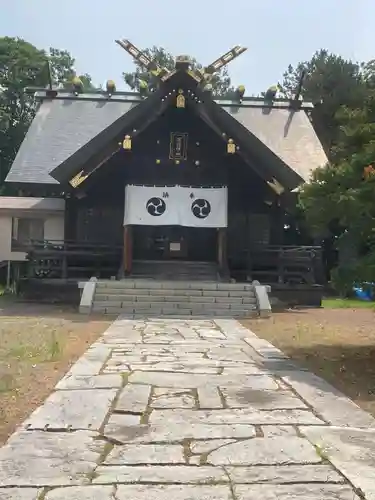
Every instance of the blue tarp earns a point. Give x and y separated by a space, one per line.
366 292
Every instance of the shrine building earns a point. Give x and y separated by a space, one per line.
168 183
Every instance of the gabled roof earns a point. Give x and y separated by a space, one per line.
68 131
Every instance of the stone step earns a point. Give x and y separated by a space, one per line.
144 298
132 292
183 299
171 305
172 285
99 297
176 312
186 277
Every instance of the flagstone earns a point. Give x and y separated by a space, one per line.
189 409
35 458
159 474
73 410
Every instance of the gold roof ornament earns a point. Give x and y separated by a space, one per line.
231 147
111 87
241 91
127 143
272 92
77 85
78 179
180 101
143 87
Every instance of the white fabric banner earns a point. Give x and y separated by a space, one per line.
176 206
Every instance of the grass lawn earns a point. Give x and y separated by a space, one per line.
336 342
37 346
347 304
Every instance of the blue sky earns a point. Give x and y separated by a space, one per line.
276 33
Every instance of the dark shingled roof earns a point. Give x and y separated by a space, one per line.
288 134
60 128
286 140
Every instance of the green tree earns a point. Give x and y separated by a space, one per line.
62 64
22 65
221 81
339 202
330 81
62 69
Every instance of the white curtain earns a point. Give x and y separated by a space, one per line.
176 205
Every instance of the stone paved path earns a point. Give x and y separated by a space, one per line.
190 410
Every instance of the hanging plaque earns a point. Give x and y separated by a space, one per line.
178 146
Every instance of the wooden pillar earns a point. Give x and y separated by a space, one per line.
64 262
277 224
222 249
128 250
249 243
70 231
70 220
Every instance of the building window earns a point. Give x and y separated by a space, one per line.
24 230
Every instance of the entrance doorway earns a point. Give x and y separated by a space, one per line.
174 243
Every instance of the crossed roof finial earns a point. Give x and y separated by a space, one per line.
164 73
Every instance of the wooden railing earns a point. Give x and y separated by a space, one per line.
270 264
68 259
284 264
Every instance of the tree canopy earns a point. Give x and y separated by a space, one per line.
221 83
338 203
22 65
330 82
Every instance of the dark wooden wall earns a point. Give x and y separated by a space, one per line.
98 216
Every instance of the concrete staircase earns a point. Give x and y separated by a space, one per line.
151 298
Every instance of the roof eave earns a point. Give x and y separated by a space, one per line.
106 142
90 95
259 102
